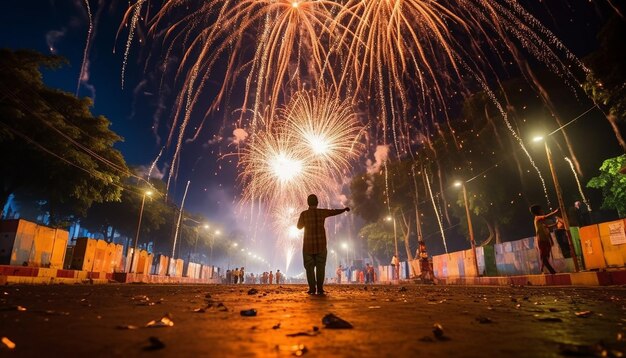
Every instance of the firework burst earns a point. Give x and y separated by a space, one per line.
309 146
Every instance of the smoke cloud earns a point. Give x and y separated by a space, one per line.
239 136
380 157
53 37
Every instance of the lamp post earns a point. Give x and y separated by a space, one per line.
180 216
232 247
195 244
559 196
395 234
345 247
332 252
143 201
215 233
469 224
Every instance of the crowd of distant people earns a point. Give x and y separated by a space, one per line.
238 276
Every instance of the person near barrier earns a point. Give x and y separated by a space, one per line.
242 275
561 236
367 273
338 273
236 276
426 274
271 277
279 277
542 233
395 263
314 242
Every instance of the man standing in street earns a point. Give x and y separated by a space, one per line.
314 242
396 267
339 272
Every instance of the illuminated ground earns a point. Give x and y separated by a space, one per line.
388 320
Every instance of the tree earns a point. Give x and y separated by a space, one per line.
122 216
379 241
606 83
612 183
369 195
53 146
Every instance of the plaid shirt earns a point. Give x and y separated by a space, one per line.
312 221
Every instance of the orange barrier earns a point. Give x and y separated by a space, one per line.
192 270
59 248
144 262
176 267
25 243
16 241
84 253
117 258
99 261
160 265
593 253
613 240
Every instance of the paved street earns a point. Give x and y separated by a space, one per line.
388 321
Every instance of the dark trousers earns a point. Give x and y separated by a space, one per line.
544 254
561 239
315 266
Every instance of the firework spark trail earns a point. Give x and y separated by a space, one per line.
282 27
83 66
580 188
136 13
289 237
183 127
432 198
154 163
519 140
389 39
180 216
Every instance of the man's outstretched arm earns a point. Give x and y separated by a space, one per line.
300 224
333 212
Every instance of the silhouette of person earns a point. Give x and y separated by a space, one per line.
314 242
544 241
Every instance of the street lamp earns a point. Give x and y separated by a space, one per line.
395 235
469 223
559 196
215 233
143 201
336 259
195 245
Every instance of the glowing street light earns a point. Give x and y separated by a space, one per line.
395 233
470 229
345 246
559 196
143 201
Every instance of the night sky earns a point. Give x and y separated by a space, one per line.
60 27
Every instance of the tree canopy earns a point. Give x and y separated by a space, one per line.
53 146
612 183
606 83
